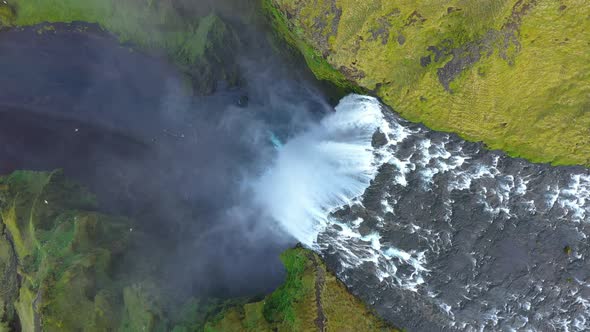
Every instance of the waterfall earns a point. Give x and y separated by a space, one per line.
323 168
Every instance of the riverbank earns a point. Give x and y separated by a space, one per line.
513 74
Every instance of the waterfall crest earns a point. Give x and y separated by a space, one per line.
323 168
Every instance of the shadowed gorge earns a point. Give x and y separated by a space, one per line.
124 125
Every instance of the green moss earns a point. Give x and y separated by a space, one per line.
513 74
65 253
6 16
279 306
142 311
193 314
8 280
24 308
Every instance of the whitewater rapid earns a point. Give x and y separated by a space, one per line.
435 232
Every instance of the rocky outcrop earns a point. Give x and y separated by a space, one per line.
514 74
56 255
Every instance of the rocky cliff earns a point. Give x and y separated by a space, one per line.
514 74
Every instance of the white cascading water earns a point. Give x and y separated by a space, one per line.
322 169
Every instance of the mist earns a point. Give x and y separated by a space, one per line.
323 168
180 166
219 185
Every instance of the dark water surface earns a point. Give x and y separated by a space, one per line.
124 124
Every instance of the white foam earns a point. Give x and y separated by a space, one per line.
574 199
387 208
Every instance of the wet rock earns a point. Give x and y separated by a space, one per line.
243 101
401 39
379 140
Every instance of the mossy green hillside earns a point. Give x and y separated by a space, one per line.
514 74
198 44
64 252
8 281
6 16
314 60
66 267
311 299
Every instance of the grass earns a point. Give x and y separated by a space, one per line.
528 94
314 60
280 305
152 25
6 16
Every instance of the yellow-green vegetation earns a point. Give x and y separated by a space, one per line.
311 299
8 281
64 250
514 74
193 42
6 16
143 312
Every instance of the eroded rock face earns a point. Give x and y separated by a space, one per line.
512 73
215 57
